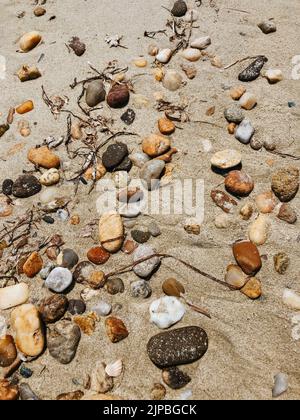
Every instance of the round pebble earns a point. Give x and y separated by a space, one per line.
59 279
140 289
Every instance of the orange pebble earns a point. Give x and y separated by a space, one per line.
231 128
25 107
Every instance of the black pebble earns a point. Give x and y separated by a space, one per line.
49 220
175 378
26 186
126 165
128 117
252 72
7 186
114 156
140 236
76 307
84 181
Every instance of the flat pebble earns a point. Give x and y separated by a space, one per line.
111 232
26 186
146 268
244 131
234 114
154 229
247 257
63 339
281 384
95 93
287 214
59 279
226 159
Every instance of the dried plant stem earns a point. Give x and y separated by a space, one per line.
240 61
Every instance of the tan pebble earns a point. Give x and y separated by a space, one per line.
281 262
216 62
265 202
193 228
235 276
52 253
8 351
223 221
100 381
75 220
76 131
116 329
153 50
97 280
237 92
258 231
191 54
111 232
93 173
25 107
43 157
140 62
155 145
158 392
24 128
166 126
274 75
190 70
252 288
5 208
51 177
120 77
39 11
12 296
248 101
167 157
26 324
87 323
33 265
247 211
29 41
27 73
158 74
231 128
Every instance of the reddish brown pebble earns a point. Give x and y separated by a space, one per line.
98 255
231 128
239 183
8 351
223 200
247 256
287 214
129 247
33 265
166 126
97 280
52 253
75 220
118 96
115 329
8 392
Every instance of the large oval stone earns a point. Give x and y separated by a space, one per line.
177 347
247 256
111 232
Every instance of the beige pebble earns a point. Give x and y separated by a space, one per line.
248 101
51 177
29 41
111 232
265 202
140 62
258 231
247 211
252 288
237 92
12 296
235 276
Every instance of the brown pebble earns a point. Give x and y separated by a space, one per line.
8 392
173 287
231 128
98 255
129 247
237 92
281 262
239 183
223 200
25 107
166 126
39 11
116 329
97 280
70 396
33 265
252 288
247 256
8 351
287 214
75 220
52 253
53 308
158 392
87 323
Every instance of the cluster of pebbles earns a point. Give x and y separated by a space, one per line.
57 322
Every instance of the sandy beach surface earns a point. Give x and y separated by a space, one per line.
249 341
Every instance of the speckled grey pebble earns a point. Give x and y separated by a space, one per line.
44 273
63 340
154 229
140 289
234 114
146 268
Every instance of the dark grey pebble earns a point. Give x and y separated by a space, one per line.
177 347
114 286
125 165
252 72
140 236
76 307
128 117
26 372
49 220
114 156
26 393
26 186
175 378
7 186
67 258
179 9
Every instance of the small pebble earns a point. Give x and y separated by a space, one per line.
252 288
223 200
274 76
247 257
175 378
248 101
95 93
63 215
146 268
115 329
256 143
239 183
244 131
235 276
140 289
234 114
291 299
166 311
226 159
154 229
139 159
39 11
26 372
48 219
98 255
102 308
76 307
179 8
26 186
140 236
51 177
151 173
237 92
115 286
281 262
281 385
287 214
8 351
223 221
259 229
158 392
267 27
128 117
114 156
7 186
285 183
67 258
265 202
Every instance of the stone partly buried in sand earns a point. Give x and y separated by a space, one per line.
116 329
223 200
26 186
252 288
111 232
287 214
247 256
63 339
151 173
28 330
177 347
175 378
33 265
285 183
239 183
8 351
44 157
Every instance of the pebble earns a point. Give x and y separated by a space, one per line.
139 159
25 107
244 132
166 126
44 157
114 286
172 287
71 396
76 307
77 46
93 173
114 156
164 55
247 256
287 214
59 279
252 288
291 299
256 143
97 280
102 308
281 262
53 308
156 145
177 347
239 183
252 72
172 80
125 165
115 329
33 265
248 101
29 41
51 177
166 311
63 215
281 385
8 351
153 50
121 179
223 221
285 183
140 236
95 93
179 8
223 200
237 92
146 268
86 323
201 43
270 144
140 289
83 272
151 173
234 114
274 76
39 11
128 117
158 392
111 232
98 255
267 27
26 393
175 378
7 186
8 392
235 276
63 339
67 259
100 381
191 54
118 96
265 202
226 159
258 230
26 372
5 208
28 330
154 229
3 129
231 128
190 70
26 186
11 296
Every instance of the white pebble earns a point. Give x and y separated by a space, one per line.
164 55
258 231
245 131
201 43
102 308
281 384
274 75
291 299
166 311
59 279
